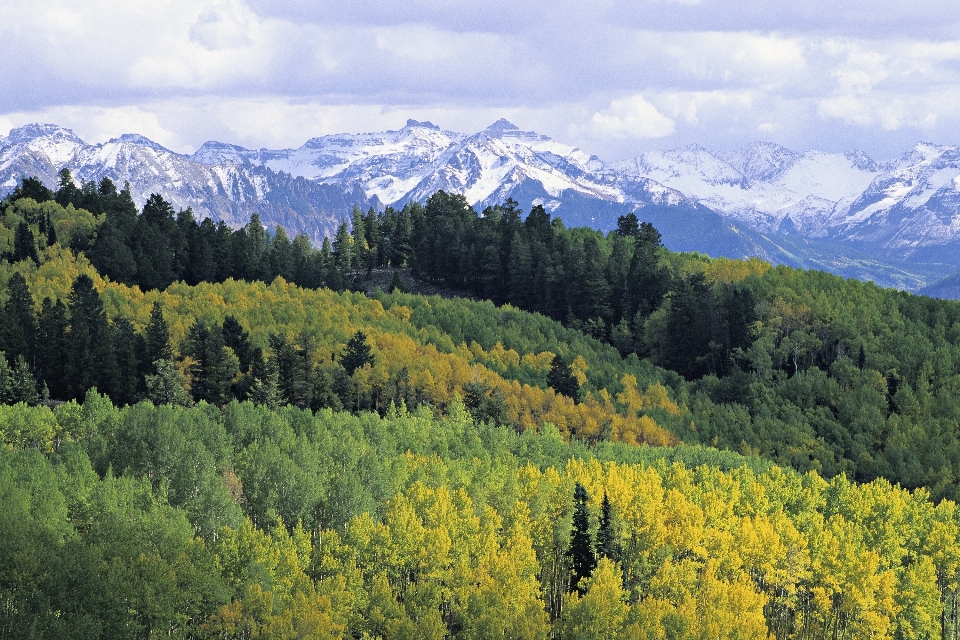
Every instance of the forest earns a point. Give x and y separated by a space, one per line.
212 432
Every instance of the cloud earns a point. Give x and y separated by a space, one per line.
633 118
222 27
613 77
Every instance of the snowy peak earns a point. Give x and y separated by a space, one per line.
760 160
501 126
860 160
411 123
212 152
29 133
140 141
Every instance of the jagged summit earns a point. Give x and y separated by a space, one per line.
500 127
139 140
36 130
426 124
761 160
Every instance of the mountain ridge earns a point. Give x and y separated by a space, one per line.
904 211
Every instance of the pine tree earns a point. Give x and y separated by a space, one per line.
126 349
167 386
396 284
281 256
90 357
357 353
20 323
581 542
6 381
562 380
235 337
23 386
52 336
214 364
157 339
24 244
607 546
342 251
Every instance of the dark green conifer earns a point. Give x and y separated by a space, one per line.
24 244
156 340
357 353
561 378
607 546
581 542
20 323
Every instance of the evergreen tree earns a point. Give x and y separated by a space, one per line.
23 386
561 378
607 546
31 188
51 358
214 364
581 542
90 358
156 339
281 256
294 364
167 386
342 251
126 350
520 271
396 284
238 339
24 244
7 395
20 323
628 225
648 281
67 191
156 240
266 390
357 353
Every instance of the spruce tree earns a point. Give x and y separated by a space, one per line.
167 386
357 353
214 364
157 339
24 244
126 349
562 380
607 546
52 338
90 357
20 323
581 542
238 339
23 386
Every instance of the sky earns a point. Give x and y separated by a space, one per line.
614 78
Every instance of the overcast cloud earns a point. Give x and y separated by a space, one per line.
615 78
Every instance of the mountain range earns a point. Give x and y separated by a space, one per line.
895 222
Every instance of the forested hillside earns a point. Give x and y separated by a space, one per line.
801 367
248 522
213 433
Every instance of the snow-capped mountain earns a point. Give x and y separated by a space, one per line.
763 185
828 210
229 191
